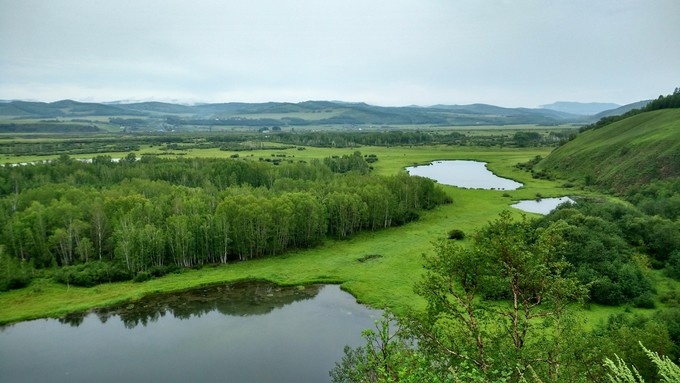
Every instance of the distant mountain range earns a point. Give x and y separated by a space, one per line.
309 113
580 108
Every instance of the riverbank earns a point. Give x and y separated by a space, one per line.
378 268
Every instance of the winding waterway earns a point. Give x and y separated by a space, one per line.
249 332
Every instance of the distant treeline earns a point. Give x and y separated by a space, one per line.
239 141
48 127
663 102
108 221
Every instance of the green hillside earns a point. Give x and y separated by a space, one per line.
635 150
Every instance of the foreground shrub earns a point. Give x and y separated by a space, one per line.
14 274
91 274
456 234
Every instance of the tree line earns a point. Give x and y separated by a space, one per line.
106 220
233 141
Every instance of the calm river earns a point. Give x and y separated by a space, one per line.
249 332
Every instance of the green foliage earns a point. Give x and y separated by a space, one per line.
620 372
464 338
91 274
14 273
389 355
151 213
456 234
663 102
670 317
601 251
622 332
673 265
660 198
346 163
524 139
142 276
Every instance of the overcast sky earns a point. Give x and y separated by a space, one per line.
383 52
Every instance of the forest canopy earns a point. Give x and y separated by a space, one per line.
105 221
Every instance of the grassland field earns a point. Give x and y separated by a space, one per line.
385 281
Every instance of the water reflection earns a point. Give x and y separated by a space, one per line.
243 333
237 299
465 174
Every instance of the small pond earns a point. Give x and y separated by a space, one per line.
248 332
464 174
543 205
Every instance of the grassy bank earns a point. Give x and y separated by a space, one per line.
386 279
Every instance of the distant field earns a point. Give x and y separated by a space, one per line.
312 116
7 155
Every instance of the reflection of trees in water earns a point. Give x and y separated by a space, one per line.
73 319
239 299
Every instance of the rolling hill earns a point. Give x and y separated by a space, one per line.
631 151
282 113
580 108
620 110
63 108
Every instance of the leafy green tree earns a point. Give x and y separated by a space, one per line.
308 221
524 139
463 336
14 273
180 240
222 232
599 254
509 337
100 229
139 215
346 213
389 355
125 250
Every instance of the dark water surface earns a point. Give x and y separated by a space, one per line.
465 174
248 332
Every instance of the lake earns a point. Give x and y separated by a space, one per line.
248 332
543 205
465 174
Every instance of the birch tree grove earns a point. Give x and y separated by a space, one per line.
151 215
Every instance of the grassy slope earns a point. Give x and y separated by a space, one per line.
631 151
380 282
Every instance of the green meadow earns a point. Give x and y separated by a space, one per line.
378 268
